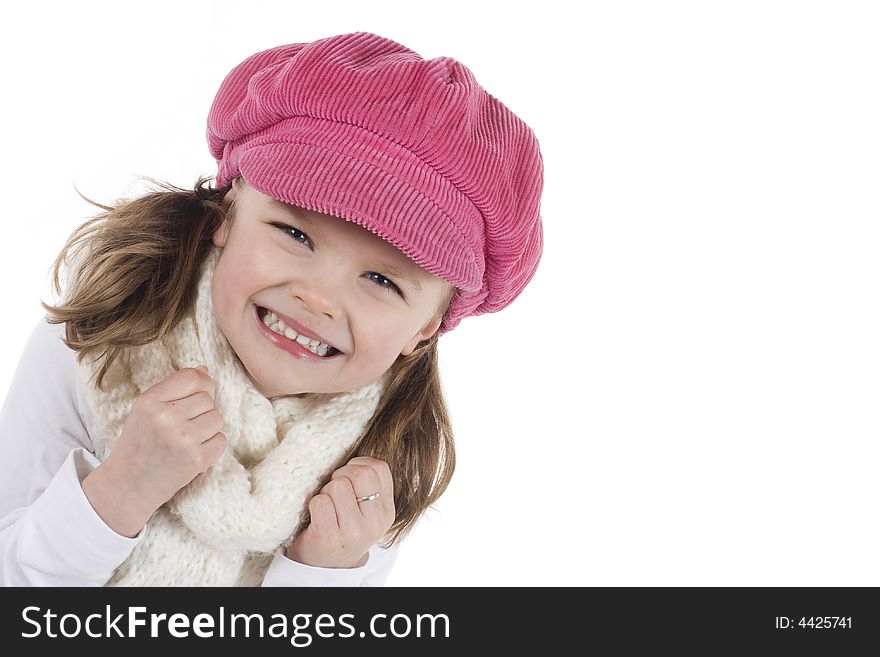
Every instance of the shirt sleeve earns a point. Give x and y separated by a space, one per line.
49 533
374 572
60 540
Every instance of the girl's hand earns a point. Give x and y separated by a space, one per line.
170 437
342 531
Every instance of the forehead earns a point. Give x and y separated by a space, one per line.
285 207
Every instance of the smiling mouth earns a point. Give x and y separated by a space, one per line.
278 326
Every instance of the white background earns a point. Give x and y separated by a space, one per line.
686 394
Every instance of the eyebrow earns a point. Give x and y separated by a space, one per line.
289 209
401 273
393 270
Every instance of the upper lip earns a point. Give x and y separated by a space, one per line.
302 330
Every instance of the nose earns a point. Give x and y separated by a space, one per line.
318 293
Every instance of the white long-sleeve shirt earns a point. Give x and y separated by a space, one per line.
50 535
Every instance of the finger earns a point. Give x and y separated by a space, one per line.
204 426
381 468
192 406
343 495
183 383
368 476
213 447
364 479
207 382
322 514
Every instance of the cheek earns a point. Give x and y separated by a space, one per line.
378 343
237 274
219 296
229 290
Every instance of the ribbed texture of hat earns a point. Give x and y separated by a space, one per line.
414 150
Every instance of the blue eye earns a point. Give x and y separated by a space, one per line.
295 233
384 282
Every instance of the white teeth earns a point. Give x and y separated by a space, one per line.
273 322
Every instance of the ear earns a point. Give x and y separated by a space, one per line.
427 331
221 234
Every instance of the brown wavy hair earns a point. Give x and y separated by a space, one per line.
138 280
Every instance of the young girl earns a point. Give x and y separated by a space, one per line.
254 398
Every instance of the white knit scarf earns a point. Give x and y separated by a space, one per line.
223 528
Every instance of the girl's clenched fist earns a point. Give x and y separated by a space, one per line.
171 435
342 530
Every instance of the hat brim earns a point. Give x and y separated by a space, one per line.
374 183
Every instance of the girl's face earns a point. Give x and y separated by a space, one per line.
329 280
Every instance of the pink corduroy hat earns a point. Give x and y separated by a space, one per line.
360 127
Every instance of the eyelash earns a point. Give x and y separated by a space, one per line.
292 231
